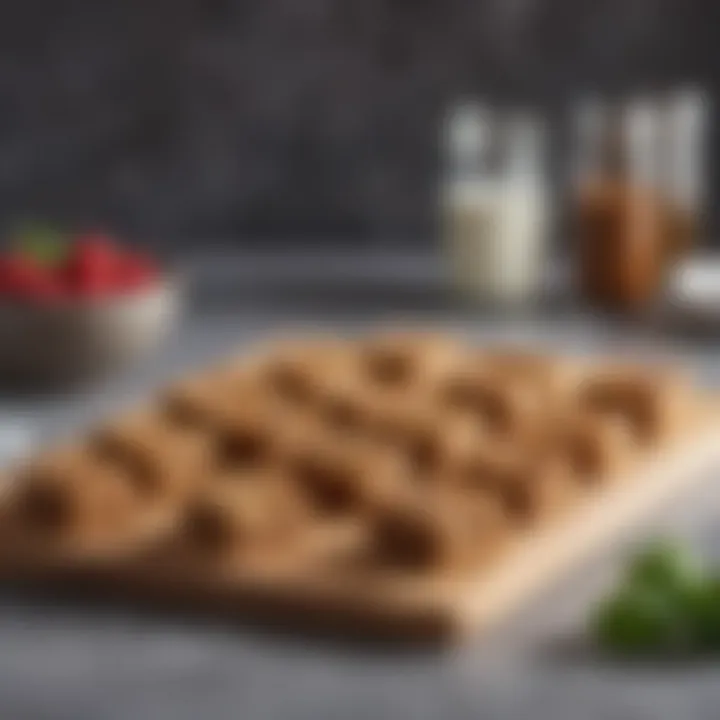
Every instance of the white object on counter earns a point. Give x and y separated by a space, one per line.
494 207
693 295
695 284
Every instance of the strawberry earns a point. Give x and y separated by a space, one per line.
50 290
91 266
22 277
135 272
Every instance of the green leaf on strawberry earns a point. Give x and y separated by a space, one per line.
44 243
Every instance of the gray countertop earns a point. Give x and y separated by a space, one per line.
68 663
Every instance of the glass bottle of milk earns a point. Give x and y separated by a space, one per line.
525 210
493 206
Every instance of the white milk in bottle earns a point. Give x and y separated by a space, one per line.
493 207
525 206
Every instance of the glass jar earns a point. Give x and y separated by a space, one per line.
493 205
620 213
526 206
685 124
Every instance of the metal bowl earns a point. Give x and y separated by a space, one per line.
75 341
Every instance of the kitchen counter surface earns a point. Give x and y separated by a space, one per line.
60 662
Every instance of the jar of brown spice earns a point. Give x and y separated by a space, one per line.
621 218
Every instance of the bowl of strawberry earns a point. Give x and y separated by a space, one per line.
73 309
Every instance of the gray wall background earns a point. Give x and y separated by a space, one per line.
255 121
